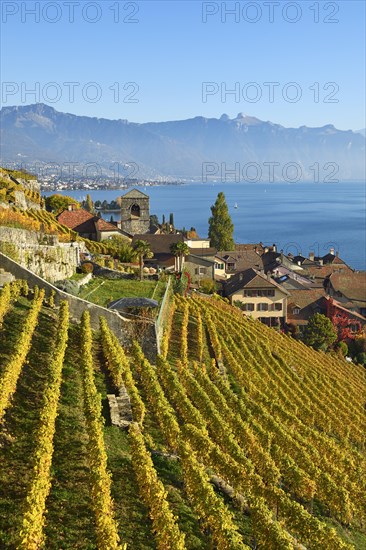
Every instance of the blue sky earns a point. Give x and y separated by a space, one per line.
168 60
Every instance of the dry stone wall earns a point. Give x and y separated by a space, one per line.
43 254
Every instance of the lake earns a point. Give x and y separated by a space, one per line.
297 217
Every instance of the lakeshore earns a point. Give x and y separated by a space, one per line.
297 217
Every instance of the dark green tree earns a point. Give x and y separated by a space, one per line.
154 220
320 333
220 226
171 219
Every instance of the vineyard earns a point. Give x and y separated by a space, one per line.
241 436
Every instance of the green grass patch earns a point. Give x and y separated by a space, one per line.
103 291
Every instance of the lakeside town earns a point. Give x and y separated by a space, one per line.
281 290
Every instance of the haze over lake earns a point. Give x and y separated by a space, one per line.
297 217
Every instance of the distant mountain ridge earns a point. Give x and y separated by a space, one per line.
188 149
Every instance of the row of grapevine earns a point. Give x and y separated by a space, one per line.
119 369
31 535
153 494
14 365
9 294
156 398
164 345
106 526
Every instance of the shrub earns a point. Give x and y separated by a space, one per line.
320 334
361 358
293 330
9 249
208 286
341 348
87 267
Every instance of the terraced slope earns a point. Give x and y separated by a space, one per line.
242 437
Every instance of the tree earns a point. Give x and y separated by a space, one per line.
154 220
221 227
320 334
88 205
142 250
181 250
171 219
57 203
119 247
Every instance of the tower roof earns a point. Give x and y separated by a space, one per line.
135 194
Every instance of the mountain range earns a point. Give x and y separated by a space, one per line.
218 149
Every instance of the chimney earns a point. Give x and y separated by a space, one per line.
274 247
321 262
331 250
268 276
69 207
266 249
337 253
311 256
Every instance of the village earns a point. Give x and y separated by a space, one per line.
131 259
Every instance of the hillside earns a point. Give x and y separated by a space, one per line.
19 188
250 439
179 149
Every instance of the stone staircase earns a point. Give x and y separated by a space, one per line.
120 408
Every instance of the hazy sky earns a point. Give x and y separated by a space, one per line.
294 63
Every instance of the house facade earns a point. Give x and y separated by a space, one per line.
258 296
199 268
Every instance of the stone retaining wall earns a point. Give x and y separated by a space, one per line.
43 254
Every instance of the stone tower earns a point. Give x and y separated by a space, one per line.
135 212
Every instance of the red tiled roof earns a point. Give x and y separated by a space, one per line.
350 284
84 222
102 225
74 218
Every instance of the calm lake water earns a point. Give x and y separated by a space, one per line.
297 217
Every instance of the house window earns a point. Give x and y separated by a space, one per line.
219 266
259 292
262 307
231 267
202 271
278 306
296 311
248 307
